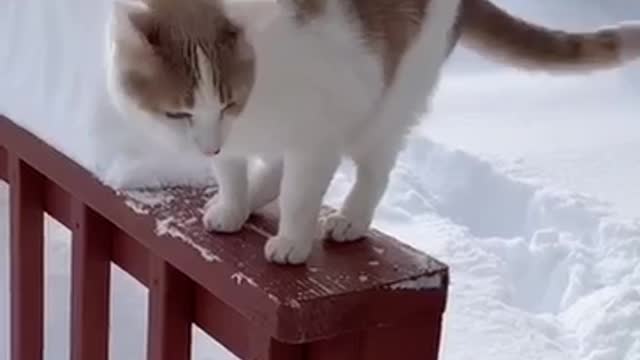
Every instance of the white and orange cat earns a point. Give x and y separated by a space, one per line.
301 84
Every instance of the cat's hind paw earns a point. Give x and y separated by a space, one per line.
340 228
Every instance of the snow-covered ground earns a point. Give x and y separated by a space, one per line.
524 184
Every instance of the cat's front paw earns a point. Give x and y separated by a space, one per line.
225 217
284 250
340 228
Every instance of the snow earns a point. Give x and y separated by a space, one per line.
241 278
429 282
143 201
524 184
167 227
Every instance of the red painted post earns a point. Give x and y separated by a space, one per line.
27 261
413 342
170 312
90 274
3 164
264 347
416 342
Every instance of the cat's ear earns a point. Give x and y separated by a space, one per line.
244 50
131 20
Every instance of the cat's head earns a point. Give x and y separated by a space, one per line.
187 69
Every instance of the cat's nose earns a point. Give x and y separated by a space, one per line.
212 152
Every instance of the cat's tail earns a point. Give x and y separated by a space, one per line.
497 34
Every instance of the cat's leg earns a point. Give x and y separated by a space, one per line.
305 180
264 182
353 220
229 208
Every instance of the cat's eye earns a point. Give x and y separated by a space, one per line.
179 115
226 108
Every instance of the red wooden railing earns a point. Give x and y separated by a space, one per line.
376 299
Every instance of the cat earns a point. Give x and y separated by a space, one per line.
300 84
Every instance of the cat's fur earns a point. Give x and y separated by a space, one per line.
302 83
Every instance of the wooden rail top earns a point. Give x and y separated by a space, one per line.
342 288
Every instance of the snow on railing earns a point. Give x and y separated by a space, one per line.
375 299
